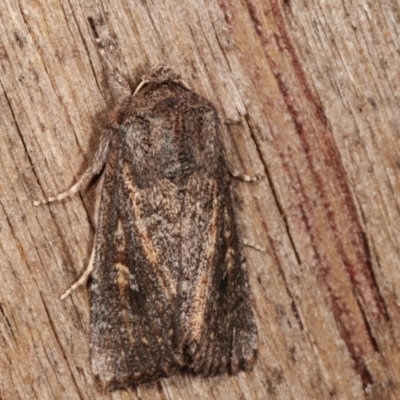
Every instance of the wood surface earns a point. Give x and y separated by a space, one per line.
309 95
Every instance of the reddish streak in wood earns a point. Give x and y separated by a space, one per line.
327 171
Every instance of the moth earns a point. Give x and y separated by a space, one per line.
169 288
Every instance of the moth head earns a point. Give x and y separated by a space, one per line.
161 73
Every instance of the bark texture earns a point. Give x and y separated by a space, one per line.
309 96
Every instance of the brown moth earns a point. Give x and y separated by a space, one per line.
169 288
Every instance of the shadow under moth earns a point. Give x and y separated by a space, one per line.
169 287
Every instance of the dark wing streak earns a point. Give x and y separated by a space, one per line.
149 304
230 314
123 319
198 246
219 301
104 336
154 225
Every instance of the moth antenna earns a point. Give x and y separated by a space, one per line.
119 86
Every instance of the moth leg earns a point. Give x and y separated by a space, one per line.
96 166
245 178
254 245
82 279
68 193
